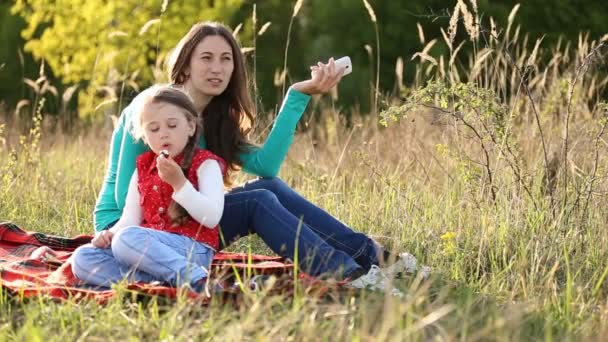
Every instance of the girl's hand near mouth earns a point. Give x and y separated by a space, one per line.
170 172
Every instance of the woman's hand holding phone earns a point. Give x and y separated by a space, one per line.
323 77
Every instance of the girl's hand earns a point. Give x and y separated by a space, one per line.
103 239
323 77
170 172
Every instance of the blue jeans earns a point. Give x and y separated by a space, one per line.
271 209
143 255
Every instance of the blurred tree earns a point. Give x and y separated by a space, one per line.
15 64
101 44
344 27
565 18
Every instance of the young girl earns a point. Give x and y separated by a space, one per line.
168 229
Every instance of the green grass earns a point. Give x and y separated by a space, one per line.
502 272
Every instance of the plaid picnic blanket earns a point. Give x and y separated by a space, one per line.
34 263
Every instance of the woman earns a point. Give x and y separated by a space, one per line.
208 65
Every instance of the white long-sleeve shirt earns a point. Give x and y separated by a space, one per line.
205 205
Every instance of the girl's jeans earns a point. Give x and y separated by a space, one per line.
143 255
280 216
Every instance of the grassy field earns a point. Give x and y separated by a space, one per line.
504 270
498 183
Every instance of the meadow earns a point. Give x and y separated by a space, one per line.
490 168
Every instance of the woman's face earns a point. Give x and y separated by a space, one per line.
211 66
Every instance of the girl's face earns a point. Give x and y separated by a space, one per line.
166 127
211 66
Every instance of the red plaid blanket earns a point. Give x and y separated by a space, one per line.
33 264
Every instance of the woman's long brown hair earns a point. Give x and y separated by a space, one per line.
229 116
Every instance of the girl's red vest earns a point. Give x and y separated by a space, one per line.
156 197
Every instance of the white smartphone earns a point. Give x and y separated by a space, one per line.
344 62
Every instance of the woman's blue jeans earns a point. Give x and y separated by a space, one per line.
280 216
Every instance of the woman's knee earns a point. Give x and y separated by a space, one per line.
274 184
265 197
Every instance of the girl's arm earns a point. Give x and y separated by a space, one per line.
132 215
266 160
207 204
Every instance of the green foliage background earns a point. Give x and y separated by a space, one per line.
102 46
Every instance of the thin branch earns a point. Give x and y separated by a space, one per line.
487 163
578 73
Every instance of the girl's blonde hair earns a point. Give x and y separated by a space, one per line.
162 94
178 98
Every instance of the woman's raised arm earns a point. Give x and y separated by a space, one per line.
266 160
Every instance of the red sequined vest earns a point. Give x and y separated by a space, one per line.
156 197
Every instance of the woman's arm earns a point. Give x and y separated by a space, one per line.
207 204
266 160
127 155
121 165
106 210
132 214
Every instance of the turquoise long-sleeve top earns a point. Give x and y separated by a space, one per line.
263 161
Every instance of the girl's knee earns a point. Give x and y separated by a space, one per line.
83 260
84 253
123 239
